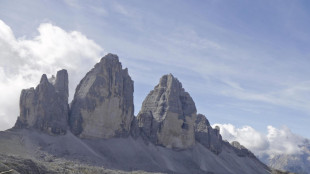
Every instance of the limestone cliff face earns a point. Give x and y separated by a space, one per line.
45 107
206 135
103 102
168 114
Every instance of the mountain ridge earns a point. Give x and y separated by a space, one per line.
100 128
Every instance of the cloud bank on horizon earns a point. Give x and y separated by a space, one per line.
276 141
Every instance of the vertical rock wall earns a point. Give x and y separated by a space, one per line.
103 102
206 135
168 114
45 107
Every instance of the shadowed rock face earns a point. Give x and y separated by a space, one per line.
167 115
45 107
103 102
206 135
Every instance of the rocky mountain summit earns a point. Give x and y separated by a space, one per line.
46 107
168 114
103 102
99 127
206 135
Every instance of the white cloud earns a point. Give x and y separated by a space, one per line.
283 140
276 141
23 61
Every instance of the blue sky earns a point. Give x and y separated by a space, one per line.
243 62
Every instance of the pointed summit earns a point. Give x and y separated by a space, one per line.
167 115
110 57
45 107
44 79
61 83
169 81
103 102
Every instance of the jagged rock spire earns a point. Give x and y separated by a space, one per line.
103 102
45 107
167 115
206 135
61 83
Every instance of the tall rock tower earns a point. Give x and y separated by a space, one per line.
168 115
207 136
45 107
103 102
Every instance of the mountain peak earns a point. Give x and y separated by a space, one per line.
61 82
103 102
168 108
169 81
45 107
44 79
110 57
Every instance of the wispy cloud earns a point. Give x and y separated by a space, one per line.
73 3
295 96
99 10
121 9
95 7
189 39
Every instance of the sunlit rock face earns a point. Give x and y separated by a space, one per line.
45 107
168 114
206 135
103 102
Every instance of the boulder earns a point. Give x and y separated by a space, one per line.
168 114
45 107
103 102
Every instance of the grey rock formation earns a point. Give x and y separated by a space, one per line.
206 135
168 114
103 102
101 112
45 107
